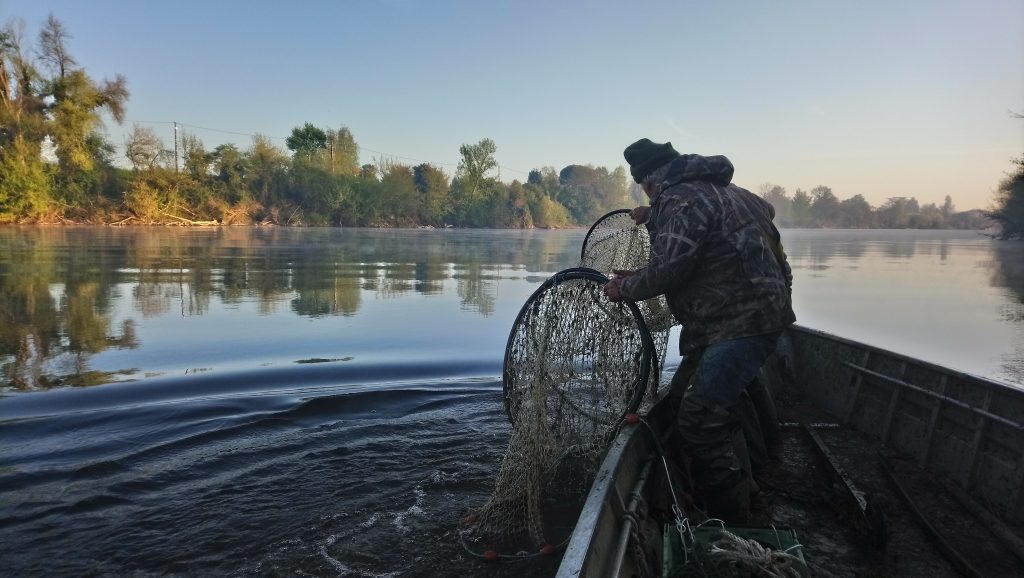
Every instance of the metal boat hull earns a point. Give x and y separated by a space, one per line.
947 423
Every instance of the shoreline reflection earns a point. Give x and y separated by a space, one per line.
84 306
62 289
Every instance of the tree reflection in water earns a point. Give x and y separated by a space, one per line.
68 294
1008 272
72 292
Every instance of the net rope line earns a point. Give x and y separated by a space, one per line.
575 364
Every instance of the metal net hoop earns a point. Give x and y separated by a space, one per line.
575 364
614 241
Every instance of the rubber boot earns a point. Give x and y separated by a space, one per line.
747 415
740 448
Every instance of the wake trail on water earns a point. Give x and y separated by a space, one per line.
214 481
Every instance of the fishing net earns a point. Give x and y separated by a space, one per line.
575 364
616 242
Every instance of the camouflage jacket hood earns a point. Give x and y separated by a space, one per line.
714 169
715 254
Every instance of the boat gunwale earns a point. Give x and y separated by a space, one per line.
579 547
957 373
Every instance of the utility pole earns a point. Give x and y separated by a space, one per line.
175 146
332 138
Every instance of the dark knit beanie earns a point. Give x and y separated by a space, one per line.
645 157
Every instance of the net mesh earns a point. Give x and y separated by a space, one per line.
616 242
575 364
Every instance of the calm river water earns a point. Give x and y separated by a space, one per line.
328 402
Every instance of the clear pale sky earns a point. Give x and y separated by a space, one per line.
879 98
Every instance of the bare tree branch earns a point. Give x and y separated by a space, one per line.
53 48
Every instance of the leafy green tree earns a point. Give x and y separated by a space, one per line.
930 217
476 198
75 115
824 206
196 159
306 141
315 194
367 207
1008 211
144 200
434 198
342 152
776 195
25 186
519 206
801 207
267 167
580 192
22 108
548 213
477 161
100 186
197 187
589 192
855 212
617 189
230 171
369 172
896 211
948 209
545 180
468 210
401 202
66 108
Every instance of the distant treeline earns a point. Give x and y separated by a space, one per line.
322 183
821 208
57 166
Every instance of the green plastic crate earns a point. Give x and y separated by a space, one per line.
674 560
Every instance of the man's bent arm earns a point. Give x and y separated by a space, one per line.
675 248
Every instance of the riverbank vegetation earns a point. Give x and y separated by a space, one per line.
57 166
1009 204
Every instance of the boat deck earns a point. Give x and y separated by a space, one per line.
825 505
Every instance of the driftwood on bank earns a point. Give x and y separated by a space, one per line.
190 221
179 221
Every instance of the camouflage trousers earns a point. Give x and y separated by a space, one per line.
720 410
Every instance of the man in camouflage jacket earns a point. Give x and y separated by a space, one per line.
718 259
